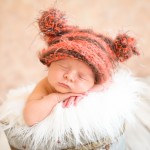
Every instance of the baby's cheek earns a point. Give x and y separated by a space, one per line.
82 87
58 74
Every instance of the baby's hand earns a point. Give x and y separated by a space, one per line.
66 96
72 100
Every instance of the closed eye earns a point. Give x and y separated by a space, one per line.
82 77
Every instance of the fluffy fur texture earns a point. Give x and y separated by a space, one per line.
97 116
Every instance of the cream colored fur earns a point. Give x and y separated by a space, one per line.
98 115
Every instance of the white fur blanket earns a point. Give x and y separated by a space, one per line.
97 116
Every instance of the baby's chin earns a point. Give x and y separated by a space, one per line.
63 90
70 91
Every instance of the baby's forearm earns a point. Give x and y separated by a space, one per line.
37 110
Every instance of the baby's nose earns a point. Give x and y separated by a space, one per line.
71 76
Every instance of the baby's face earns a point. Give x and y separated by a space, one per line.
70 75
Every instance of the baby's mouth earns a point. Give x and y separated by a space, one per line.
64 85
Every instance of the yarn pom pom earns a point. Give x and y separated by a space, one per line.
124 47
52 22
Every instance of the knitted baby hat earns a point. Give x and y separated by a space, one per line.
99 52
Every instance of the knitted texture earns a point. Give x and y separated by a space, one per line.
99 52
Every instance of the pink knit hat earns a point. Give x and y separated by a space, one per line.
99 52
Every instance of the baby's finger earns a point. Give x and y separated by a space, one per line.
76 101
65 102
65 96
70 101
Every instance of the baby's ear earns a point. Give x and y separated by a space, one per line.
52 23
125 47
